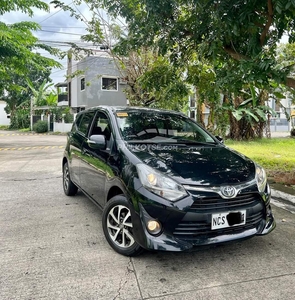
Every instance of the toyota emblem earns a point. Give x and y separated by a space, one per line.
228 191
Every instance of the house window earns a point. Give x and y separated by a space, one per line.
82 84
193 115
192 101
109 84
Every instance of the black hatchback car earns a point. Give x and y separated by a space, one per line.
163 182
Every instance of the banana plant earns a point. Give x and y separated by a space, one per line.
40 94
251 110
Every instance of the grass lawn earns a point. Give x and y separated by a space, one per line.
276 155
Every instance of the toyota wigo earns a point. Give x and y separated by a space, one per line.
162 181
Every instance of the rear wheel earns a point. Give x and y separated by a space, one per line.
118 227
69 187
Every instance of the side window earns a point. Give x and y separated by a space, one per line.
102 125
85 123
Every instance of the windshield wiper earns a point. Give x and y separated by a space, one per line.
192 142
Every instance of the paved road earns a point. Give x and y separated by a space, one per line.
52 246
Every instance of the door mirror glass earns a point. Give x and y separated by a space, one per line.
97 141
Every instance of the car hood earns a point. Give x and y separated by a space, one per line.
204 165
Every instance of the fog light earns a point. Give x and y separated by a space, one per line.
154 227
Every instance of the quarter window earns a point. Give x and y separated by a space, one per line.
109 84
85 123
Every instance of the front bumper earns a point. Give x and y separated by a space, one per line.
187 224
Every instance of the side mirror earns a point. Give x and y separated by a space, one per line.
97 142
220 139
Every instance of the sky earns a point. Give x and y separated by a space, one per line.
57 28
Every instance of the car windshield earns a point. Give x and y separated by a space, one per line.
160 127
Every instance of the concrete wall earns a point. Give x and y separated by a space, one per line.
62 127
3 116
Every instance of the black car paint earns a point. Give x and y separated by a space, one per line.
200 165
209 165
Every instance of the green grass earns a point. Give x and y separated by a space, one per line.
276 155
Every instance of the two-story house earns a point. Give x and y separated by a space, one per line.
94 80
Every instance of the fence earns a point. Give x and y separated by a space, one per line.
62 127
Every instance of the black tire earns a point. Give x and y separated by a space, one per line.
69 187
117 227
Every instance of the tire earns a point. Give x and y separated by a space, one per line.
117 227
69 187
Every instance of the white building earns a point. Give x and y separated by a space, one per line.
4 119
280 121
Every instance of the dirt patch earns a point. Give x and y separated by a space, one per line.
283 178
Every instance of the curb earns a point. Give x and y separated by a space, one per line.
281 196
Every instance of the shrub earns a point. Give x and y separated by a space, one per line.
40 127
292 132
68 118
20 119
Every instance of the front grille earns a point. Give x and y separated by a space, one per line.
197 229
216 202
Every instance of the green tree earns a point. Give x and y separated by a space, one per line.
246 32
18 46
226 46
21 93
151 78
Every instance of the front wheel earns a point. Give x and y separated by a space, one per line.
69 187
118 228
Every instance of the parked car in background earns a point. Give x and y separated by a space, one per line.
162 181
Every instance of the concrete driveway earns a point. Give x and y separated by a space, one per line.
52 246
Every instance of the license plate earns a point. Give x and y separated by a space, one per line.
228 219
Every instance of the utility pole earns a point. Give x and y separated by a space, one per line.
31 115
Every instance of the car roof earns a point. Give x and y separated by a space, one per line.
131 108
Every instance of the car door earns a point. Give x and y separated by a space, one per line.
77 138
94 166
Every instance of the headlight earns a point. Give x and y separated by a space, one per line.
160 184
261 178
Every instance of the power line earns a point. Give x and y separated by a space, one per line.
54 13
67 43
85 20
76 27
80 63
60 32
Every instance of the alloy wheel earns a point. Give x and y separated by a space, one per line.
120 227
66 177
